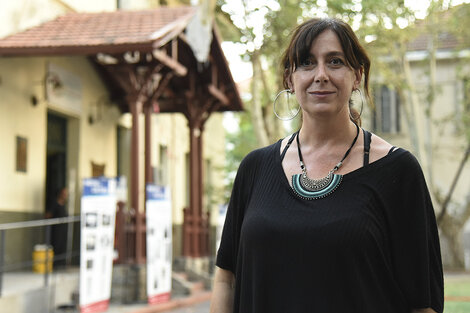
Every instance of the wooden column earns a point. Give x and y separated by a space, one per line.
136 108
148 144
195 188
201 217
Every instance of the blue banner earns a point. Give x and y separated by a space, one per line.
155 192
96 186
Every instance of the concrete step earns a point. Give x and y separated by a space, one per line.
26 292
182 286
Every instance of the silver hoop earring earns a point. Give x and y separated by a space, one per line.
362 105
289 109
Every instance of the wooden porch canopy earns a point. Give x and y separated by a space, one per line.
148 62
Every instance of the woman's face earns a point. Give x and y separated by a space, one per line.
323 83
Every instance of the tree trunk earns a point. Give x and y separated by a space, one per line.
451 231
274 126
256 109
415 116
431 96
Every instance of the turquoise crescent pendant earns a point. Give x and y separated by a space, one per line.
311 189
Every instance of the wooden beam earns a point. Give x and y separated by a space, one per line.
174 49
218 94
179 68
183 37
161 87
215 79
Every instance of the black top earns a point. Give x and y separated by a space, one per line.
371 246
57 210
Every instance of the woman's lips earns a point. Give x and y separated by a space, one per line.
321 93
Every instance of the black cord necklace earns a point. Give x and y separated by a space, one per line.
310 189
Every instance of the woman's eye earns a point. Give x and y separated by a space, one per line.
336 61
306 62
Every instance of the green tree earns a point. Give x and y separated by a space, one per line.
392 28
258 124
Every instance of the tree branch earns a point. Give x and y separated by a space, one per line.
452 187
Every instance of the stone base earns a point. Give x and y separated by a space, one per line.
196 269
129 283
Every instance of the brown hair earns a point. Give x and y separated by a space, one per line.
301 41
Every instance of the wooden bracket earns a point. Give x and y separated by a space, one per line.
179 68
161 87
214 73
174 49
218 94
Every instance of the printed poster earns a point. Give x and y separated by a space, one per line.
98 213
159 243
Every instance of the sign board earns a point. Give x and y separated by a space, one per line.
159 243
98 213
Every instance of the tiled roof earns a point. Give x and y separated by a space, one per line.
445 41
97 30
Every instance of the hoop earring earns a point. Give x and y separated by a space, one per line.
362 106
283 118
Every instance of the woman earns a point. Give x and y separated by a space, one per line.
331 219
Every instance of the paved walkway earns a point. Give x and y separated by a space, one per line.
198 308
200 305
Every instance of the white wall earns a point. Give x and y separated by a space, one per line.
447 143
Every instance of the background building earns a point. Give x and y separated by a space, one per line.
64 119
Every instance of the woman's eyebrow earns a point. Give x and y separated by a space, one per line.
329 54
335 54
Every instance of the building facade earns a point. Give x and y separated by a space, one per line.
60 124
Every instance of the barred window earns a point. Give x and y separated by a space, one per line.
386 116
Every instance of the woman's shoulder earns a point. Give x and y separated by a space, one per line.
259 155
379 148
404 159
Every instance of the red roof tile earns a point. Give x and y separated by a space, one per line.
446 40
98 29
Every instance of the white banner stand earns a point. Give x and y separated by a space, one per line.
159 243
98 213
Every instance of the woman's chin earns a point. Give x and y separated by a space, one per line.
321 109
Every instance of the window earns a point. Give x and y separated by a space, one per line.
386 116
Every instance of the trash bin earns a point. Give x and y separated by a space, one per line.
39 258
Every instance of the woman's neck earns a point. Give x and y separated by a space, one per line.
320 132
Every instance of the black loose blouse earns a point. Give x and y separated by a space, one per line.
371 246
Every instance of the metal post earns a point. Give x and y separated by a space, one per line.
48 241
2 254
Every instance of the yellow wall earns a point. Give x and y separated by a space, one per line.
214 149
23 77
20 78
171 130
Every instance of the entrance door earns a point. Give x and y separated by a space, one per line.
56 156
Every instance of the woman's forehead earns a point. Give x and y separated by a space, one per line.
327 42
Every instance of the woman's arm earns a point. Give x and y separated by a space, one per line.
222 292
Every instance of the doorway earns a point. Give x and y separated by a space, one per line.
56 166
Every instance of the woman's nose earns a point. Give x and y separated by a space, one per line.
321 74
